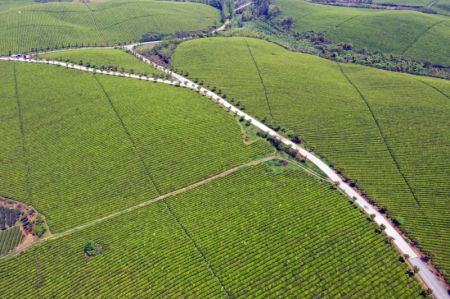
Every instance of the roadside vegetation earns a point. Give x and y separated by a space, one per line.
386 131
153 190
106 59
223 240
96 144
28 26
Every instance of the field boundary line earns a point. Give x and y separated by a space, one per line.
415 40
28 185
381 132
148 202
202 254
410 252
130 138
260 79
94 20
345 21
434 87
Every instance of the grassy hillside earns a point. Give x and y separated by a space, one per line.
389 131
436 6
418 35
226 239
55 24
78 146
442 7
104 57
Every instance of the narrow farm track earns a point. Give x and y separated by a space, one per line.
425 274
94 21
419 36
199 250
129 137
150 201
345 21
435 88
382 134
28 185
260 79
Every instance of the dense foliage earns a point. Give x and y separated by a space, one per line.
387 131
297 238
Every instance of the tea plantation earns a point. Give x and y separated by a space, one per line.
388 131
26 25
409 33
116 59
9 239
225 239
79 146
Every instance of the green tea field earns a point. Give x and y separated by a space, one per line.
387 131
115 59
27 25
80 146
220 149
409 33
9 239
223 240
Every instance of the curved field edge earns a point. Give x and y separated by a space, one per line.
39 26
227 234
113 59
414 34
313 97
97 144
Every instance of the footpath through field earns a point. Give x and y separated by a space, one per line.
151 201
426 275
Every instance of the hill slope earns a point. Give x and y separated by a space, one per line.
388 131
57 24
418 35
78 146
226 239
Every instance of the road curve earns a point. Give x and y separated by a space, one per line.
425 274
428 277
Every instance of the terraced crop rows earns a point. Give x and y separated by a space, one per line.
99 144
281 242
9 239
387 131
56 24
108 58
410 33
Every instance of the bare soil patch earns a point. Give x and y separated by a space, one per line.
32 225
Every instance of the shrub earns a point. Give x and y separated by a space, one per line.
92 249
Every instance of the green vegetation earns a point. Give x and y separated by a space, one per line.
409 33
298 238
387 131
442 7
433 6
404 2
79 146
92 249
9 239
114 59
26 26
